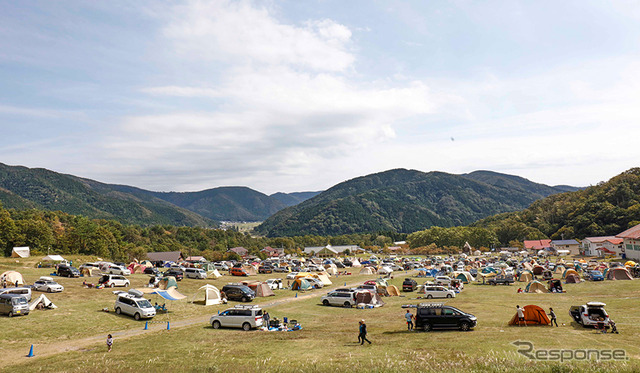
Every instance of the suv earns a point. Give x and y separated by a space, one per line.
595 276
434 291
409 284
195 273
47 284
438 316
133 304
590 314
220 266
152 271
114 280
178 274
68 271
235 271
339 298
265 269
238 292
118 270
501 279
245 317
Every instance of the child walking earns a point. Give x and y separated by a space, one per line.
109 342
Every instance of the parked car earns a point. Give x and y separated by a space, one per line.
409 284
14 305
317 284
443 280
339 298
240 316
178 274
274 283
501 279
221 266
114 280
197 273
118 270
133 304
26 291
47 284
595 276
236 271
89 265
438 316
438 292
282 269
240 293
152 271
265 269
292 275
68 271
590 314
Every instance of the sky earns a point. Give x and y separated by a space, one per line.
287 96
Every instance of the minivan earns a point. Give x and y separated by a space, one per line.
68 271
195 273
238 272
21 291
133 304
14 304
238 292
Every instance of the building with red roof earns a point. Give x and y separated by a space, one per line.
631 242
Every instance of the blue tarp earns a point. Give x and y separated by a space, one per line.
164 294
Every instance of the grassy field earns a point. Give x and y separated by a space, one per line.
71 338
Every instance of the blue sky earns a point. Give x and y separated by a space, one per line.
300 95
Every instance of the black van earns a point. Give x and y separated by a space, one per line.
68 271
240 293
438 316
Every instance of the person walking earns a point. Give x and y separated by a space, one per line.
109 342
553 317
520 316
409 317
363 333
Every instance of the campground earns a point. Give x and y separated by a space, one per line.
71 338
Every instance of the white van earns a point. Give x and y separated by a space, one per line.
133 304
22 291
195 273
114 280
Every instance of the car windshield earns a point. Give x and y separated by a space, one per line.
19 300
144 303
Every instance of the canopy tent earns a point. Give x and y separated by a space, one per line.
533 315
90 272
535 287
42 299
12 278
53 258
213 274
211 295
619 273
393 291
301 284
20 252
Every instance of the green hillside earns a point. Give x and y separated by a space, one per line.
405 201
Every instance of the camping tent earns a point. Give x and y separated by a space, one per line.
368 299
570 272
465 277
20 252
619 273
332 270
262 289
525 276
214 274
11 278
533 315
356 263
301 284
90 272
393 291
42 299
560 269
367 271
535 287
167 282
537 270
53 258
251 270
385 270
136 268
211 295
146 263
572 279
324 278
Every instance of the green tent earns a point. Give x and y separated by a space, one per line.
301 284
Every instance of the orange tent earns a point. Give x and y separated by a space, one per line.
533 315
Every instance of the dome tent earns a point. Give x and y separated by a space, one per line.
533 315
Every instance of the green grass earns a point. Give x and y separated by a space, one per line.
328 340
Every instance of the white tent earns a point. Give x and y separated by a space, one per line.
367 271
356 263
20 252
211 295
53 258
385 270
214 274
46 303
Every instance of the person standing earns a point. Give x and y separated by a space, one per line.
266 317
553 317
109 342
409 317
520 316
363 333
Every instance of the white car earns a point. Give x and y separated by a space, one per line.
133 304
114 280
292 275
197 273
118 270
274 283
241 316
221 266
339 298
431 291
47 284
443 280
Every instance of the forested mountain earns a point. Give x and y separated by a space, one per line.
405 201
291 199
601 210
22 187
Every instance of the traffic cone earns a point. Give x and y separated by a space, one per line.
31 352
146 325
345 283
168 326
296 295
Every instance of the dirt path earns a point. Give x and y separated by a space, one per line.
15 356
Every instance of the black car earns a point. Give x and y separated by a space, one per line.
240 293
152 271
347 263
68 271
178 274
438 316
409 284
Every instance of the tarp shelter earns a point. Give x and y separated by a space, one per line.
53 258
90 272
167 282
533 315
535 287
367 271
42 299
525 276
572 279
20 252
619 273
301 284
367 298
11 278
170 294
211 295
393 291
214 274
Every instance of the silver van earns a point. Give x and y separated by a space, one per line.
195 273
20 290
14 304
133 304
